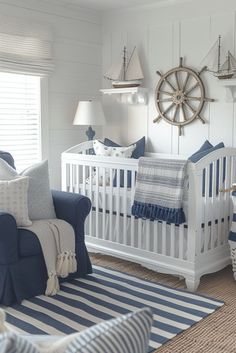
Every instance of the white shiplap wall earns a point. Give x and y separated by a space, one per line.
162 34
77 48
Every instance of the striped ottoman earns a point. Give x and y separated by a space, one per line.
232 235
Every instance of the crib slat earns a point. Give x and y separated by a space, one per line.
181 241
206 210
71 178
131 203
118 234
103 203
220 208
163 238
172 240
125 209
155 237
110 204
77 179
90 196
140 233
97 202
63 176
148 235
84 180
213 202
228 184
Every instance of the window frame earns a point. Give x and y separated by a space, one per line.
45 125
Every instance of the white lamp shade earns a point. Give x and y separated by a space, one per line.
89 113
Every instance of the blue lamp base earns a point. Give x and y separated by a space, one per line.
90 133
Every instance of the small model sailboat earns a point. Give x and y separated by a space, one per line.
127 72
222 71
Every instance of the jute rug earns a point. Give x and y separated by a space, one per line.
215 333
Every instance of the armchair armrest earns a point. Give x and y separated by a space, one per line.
72 208
8 239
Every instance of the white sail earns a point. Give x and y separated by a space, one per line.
116 70
134 70
229 64
211 58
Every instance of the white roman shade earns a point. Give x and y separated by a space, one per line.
25 47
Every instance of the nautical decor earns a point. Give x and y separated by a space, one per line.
180 96
127 71
222 71
89 113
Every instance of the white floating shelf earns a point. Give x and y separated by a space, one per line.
128 95
230 87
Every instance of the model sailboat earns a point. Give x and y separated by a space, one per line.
126 72
222 71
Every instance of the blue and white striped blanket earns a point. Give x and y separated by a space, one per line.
159 190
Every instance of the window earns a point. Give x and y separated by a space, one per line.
20 118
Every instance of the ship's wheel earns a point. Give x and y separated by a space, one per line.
180 96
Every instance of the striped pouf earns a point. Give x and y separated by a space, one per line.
232 235
107 294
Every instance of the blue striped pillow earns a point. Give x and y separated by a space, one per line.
11 342
126 334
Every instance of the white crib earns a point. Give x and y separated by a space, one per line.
189 250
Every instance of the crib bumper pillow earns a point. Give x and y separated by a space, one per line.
159 190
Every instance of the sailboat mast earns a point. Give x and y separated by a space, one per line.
124 63
219 49
228 61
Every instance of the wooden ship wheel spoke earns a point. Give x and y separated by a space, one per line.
180 96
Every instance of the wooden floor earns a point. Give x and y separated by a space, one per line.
214 334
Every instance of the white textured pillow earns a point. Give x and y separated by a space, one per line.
102 150
40 202
14 199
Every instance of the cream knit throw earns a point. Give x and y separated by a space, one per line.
57 239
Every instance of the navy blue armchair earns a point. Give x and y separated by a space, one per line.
23 271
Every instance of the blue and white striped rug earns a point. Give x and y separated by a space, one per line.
104 295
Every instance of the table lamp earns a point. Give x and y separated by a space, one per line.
89 113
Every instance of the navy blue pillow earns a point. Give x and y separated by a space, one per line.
205 149
197 155
137 153
7 157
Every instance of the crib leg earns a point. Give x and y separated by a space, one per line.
192 283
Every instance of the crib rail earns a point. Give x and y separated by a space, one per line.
110 184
